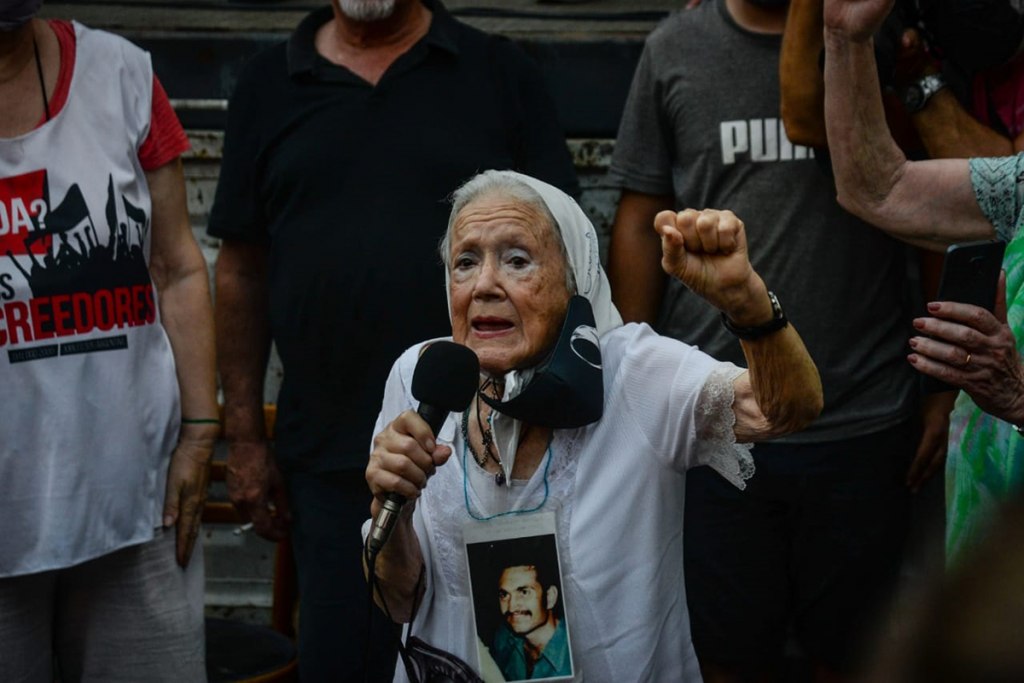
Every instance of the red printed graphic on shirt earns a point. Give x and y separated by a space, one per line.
63 274
23 211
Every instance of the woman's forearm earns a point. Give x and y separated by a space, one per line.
801 86
188 320
398 568
781 393
179 273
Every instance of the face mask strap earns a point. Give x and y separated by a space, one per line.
567 391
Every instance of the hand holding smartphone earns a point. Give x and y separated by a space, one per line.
970 274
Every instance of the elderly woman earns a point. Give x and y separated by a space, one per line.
932 204
516 252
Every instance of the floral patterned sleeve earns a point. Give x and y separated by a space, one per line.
999 187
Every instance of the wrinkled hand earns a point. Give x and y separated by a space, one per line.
856 19
707 251
931 451
187 480
975 350
404 457
256 488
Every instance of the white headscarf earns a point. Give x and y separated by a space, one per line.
580 239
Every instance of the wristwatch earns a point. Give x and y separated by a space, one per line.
777 322
916 95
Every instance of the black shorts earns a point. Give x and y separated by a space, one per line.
812 547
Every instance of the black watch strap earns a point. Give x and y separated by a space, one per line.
777 322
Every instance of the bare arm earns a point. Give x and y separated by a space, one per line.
637 281
801 85
179 273
781 392
243 346
929 203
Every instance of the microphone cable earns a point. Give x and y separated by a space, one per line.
374 589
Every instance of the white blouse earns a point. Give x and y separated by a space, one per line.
617 488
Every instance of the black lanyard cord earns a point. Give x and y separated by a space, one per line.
42 82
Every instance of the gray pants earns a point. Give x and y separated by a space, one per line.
133 615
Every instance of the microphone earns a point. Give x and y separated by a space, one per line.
445 380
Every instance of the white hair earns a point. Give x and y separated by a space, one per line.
503 184
367 10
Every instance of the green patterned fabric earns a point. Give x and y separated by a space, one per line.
986 456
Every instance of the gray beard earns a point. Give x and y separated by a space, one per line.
367 10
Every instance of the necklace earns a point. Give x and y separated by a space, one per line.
521 511
487 436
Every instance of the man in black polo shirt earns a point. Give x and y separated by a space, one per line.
342 146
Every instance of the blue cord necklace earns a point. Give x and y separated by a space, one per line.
465 477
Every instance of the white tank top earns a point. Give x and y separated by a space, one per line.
90 401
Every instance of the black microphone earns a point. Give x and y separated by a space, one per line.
446 379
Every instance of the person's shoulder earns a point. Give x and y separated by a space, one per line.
463 32
261 79
503 646
638 343
124 66
680 24
618 342
85 34
94 39
628 334
474 43
270 61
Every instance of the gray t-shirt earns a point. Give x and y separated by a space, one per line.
702 123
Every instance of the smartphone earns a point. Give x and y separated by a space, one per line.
970 275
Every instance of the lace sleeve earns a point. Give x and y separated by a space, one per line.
999 188
715 420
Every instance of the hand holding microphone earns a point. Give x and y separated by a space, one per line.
405 454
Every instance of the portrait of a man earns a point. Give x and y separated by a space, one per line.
527 636
532 642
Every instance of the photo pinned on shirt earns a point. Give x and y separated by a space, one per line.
520 617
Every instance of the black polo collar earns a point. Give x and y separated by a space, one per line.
303 57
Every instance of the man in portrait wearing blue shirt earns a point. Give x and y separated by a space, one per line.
532 642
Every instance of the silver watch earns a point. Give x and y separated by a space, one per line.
916 95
